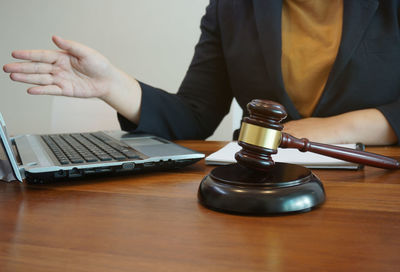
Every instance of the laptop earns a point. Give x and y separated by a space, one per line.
53 157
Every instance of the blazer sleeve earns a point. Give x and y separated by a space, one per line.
392 111
203 98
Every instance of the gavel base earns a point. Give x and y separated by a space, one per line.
284 188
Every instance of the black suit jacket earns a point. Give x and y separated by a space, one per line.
239 55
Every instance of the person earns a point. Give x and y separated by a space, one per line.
332 64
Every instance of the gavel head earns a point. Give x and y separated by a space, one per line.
260 134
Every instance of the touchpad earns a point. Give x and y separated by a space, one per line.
141 142
153 147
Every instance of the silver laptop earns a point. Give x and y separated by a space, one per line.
52 157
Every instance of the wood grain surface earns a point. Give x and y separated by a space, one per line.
153 222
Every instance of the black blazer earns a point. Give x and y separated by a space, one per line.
239 56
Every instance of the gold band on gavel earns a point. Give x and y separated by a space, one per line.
260 136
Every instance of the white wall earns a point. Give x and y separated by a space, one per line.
152 40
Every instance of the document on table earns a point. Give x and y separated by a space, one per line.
226 155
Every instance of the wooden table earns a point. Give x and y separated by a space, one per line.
153 222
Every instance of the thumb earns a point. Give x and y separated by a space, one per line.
74 48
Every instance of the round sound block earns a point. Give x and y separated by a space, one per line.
284 188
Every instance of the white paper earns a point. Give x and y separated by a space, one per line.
226 155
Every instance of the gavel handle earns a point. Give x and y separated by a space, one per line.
342 153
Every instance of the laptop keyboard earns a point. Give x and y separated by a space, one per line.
87 147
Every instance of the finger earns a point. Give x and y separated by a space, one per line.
28 68
45 90
46 56
38 79
74 48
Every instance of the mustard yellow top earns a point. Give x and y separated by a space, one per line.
311 34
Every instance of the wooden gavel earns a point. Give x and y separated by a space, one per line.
261 135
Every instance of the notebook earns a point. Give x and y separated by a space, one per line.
47 158
226 155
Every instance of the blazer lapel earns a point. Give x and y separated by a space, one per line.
356 17
268 14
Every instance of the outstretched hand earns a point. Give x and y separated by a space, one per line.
76 70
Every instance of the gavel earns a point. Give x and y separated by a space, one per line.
261 135
256 185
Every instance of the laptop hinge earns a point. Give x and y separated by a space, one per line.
22 171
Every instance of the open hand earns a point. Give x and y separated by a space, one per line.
75 70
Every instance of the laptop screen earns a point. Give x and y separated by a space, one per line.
9 170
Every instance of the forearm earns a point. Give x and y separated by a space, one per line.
368 126
124 96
